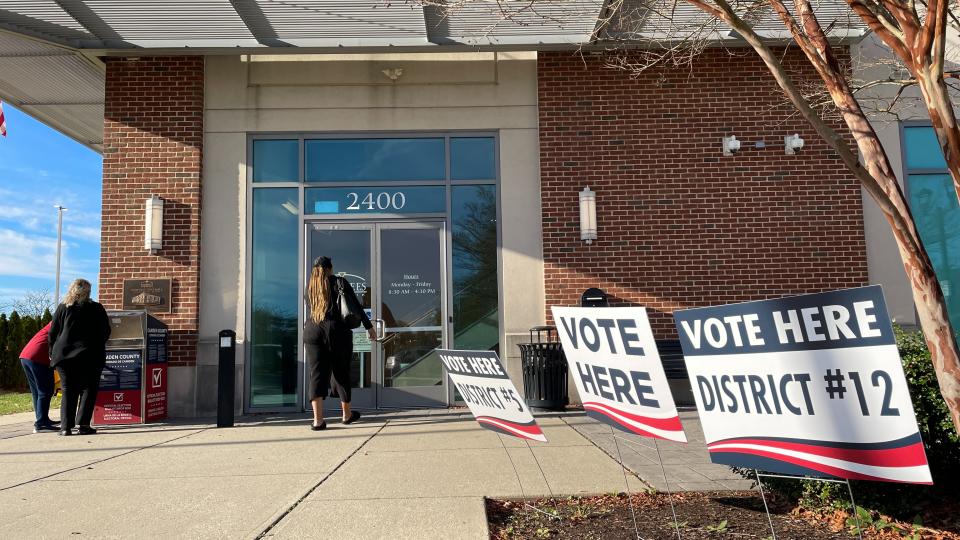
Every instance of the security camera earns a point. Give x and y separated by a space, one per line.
730 145
792 144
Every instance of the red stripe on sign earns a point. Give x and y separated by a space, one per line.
667 424
839 472
906 456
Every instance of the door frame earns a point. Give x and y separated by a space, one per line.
376 392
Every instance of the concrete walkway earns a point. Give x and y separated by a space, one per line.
414 474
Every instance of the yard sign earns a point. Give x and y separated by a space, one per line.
809 385
491 396
615 364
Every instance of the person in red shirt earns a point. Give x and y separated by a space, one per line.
35 360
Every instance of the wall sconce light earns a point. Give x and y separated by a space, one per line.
792 144
588 215
153 225
730 145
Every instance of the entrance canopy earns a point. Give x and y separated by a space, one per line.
50 49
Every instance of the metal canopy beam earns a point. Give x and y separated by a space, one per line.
93 23
257 23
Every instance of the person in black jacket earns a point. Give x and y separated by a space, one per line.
327 341
78 337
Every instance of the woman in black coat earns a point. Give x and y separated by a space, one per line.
78 337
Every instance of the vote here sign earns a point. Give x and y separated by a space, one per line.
491 396
809 385
616 367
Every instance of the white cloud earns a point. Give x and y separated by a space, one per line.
90 234
36 257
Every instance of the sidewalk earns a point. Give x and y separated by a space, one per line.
410 474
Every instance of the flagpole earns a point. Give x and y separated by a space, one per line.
60 210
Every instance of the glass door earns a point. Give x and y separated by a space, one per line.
411 313
350 247
399 275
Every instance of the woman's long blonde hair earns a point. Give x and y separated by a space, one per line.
318 292
78 293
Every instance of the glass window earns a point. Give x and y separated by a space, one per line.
376 200
375 159
276 161
935 210
472 158
476 316
933 202
922 148
274 298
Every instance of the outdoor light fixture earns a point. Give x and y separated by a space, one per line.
588 215
153 225
792 144
730 145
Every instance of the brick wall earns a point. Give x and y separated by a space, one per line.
152 139
681 225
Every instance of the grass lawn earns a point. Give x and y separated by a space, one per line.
17 402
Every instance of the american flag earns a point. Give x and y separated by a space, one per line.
3 122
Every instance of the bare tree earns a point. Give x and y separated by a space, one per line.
658 32
33 303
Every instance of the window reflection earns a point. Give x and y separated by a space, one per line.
476 318
276 161
375 159
472 158
935 210
274 298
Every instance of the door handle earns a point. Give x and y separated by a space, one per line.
380 328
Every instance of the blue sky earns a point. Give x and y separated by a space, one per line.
40 168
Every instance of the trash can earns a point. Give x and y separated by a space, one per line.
544 370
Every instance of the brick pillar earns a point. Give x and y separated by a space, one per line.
152 143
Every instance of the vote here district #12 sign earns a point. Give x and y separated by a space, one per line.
491 396
808 385
615 364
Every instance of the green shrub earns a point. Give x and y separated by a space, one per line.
939 439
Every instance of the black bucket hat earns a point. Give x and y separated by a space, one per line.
323 262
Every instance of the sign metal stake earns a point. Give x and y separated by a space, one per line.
663 470
626 483
856 514
765 507
520 483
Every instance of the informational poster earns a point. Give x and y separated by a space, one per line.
120 399
613 359
156 388
807 385
490 394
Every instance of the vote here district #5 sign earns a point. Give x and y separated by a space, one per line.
809 385
491 396
616 366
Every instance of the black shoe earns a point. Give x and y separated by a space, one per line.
46 427
66 432
321 427
86 430
354 416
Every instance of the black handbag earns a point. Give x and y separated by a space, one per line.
348 312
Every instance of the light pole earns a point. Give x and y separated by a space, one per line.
56 294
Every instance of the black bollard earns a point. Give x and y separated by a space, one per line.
226 383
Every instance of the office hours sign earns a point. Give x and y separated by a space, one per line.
809 385
491 396
615 364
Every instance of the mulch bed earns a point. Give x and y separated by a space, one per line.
723 514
